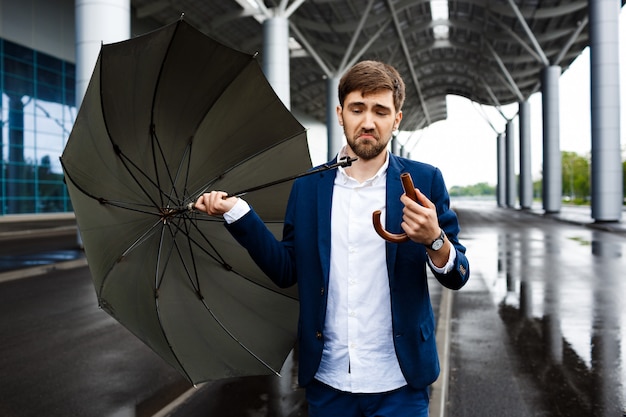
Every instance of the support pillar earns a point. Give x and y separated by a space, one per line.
552 181
511 186
335 132
607 193
97 22
525 171
276 56
501 187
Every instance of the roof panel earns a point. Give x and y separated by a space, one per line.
487 44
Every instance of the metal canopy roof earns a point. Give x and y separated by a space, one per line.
490 51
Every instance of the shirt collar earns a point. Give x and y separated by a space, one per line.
380 175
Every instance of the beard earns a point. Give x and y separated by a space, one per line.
367 149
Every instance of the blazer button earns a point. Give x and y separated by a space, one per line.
322 292
318 335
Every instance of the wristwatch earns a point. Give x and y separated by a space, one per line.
438 243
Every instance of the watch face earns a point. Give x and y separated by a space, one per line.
437 244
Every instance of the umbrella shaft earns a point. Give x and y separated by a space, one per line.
343 162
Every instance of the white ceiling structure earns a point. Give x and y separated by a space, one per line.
490 51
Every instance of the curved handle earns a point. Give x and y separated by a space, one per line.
409 189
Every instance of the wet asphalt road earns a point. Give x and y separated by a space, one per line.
536 332
539 329
62 356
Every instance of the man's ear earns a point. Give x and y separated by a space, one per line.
398 120
339 115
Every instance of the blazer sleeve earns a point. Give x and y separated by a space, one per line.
274 257
448 221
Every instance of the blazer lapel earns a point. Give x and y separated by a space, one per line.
324 203
393 212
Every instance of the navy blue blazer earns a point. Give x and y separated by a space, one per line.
303 257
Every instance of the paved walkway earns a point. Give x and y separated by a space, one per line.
539 319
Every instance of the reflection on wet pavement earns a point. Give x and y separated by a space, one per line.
560 292
13 262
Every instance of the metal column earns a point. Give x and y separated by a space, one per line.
501 188
276 56
525 172
552 181
606 167
335 132
511 187
97 22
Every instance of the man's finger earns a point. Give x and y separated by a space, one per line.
423 200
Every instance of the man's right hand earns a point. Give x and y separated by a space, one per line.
214 203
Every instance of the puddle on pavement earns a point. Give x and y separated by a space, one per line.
561 297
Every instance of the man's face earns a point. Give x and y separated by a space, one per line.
368 122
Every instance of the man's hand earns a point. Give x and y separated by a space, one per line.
214 203
420 223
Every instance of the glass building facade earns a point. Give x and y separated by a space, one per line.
37 109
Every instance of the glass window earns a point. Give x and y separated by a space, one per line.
37 112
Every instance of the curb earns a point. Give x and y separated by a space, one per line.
439 389
48 232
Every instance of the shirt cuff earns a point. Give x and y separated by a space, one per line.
240 209
449 265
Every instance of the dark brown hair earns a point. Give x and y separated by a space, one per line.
370 77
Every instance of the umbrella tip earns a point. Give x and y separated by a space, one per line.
182 16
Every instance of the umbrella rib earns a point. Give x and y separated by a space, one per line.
116 147
196 276
210 310
154 136
105 201
195 284
204 303
187 156
125 159
158 281
239 342
217 257
140 240
149 232
161 155
205 188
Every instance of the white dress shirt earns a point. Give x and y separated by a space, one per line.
359 354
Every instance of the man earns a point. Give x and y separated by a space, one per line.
366 330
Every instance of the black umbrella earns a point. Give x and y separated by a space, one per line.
167 116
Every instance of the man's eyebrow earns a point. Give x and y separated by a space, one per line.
361 104
382 107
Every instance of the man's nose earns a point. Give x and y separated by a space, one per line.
368 121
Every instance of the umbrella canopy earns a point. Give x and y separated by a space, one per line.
167 116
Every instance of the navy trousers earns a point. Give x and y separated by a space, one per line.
325 401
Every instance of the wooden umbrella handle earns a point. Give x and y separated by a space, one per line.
409 190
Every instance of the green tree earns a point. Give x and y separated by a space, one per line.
479 189
576 176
